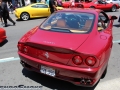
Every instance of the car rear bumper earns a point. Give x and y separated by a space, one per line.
2 35
2 38
87 77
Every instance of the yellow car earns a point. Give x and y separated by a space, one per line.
33 11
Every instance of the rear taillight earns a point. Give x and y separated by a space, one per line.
25 49
77 60
90 61
20 47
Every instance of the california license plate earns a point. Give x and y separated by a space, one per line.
47 70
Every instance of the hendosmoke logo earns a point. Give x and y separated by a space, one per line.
21 87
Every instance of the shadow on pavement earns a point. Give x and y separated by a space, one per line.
3 43
10 25
111 11
117 25
53 83
19 20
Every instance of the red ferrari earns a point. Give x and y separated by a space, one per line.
94 4
2 35
72 44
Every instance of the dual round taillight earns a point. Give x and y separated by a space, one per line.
77 60
89 61
22 48
25 49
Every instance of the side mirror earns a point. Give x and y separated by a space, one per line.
113 17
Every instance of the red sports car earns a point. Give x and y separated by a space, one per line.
2 35
72 45
94 4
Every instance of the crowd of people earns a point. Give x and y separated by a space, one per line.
7 7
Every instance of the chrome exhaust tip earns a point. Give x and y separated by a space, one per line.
88 81
23 64
82 81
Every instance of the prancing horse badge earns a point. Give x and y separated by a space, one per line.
46 55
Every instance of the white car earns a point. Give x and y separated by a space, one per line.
113 1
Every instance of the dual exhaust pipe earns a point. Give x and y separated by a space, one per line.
83 81
22 63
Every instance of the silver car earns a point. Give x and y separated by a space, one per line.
113 1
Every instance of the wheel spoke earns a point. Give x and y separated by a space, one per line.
113 8
25 16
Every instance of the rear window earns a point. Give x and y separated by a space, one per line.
71 22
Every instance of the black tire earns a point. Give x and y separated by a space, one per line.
114 8
24 16
104 73
92 7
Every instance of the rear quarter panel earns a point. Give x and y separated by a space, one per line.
112 4
98 44
100 48
108 6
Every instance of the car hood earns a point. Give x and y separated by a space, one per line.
58 39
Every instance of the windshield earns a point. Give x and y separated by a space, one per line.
72 22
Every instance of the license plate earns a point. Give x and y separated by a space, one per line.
47 70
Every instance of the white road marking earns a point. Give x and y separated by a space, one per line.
116 41
9 59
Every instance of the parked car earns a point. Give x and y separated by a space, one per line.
2 35
72 45
66 4
113 1
33 11
94 4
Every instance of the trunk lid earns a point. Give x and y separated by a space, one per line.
55 46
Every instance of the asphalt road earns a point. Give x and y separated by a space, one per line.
13 74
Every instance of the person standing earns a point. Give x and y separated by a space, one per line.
119 21
27 2
47 2
11 7
6 13
52 6
1 13
59 3
72 3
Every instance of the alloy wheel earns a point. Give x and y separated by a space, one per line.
25 16
113 8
